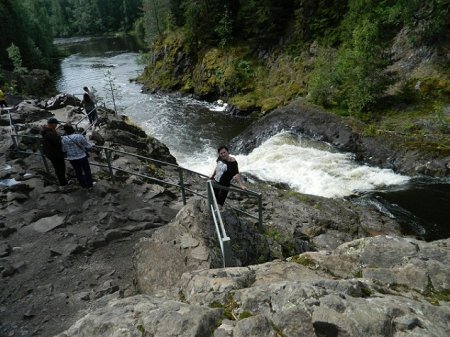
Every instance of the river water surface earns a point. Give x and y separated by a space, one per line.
193 129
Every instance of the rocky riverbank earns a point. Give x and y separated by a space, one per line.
127 258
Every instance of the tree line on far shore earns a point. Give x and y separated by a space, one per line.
353 36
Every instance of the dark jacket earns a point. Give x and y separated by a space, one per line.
87 102
51 143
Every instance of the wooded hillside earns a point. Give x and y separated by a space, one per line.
257 54
340 51
31 25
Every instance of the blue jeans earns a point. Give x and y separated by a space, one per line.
80 166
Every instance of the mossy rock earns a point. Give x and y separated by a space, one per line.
435 87
245 102
271 103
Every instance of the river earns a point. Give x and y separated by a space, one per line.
193 129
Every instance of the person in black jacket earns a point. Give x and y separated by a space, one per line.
226 169
88 103
52 148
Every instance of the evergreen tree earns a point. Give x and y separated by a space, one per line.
26 24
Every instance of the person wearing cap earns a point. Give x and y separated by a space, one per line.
52 148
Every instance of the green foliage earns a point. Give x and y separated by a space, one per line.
318 20
245 314
16 59
322 83
434 296
229 307
431 17
263 21
157 18
200 20
354 77
225 28
25 24
346 44
304 260
366 292
141 329
112 89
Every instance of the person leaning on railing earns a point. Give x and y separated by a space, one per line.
89 106
76 146
226 169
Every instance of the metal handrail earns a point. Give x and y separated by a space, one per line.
91 125
224 239
234 188
108 155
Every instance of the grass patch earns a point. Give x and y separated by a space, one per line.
304 260
228 307
245 314
433 296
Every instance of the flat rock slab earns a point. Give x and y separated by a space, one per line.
47 224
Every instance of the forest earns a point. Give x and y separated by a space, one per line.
240 41
261 54
32 25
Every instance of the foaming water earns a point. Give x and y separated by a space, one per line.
306 166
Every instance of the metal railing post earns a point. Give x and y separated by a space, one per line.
181 182
108 155
227 252
14 140
260 213
224 239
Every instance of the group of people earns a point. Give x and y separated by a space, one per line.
71 146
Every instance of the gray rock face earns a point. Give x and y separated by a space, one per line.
188 243
146 316
378 286
45 225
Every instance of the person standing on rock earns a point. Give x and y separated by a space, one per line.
89 106
2 99
226 169
76 146
52 148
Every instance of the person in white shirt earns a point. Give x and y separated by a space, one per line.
76 146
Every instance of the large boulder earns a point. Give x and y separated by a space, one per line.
120 131
330 293
146 316
187 243
190 243
62 100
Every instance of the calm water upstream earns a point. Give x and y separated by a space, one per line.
193 129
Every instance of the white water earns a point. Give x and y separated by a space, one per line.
192 130
307 167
